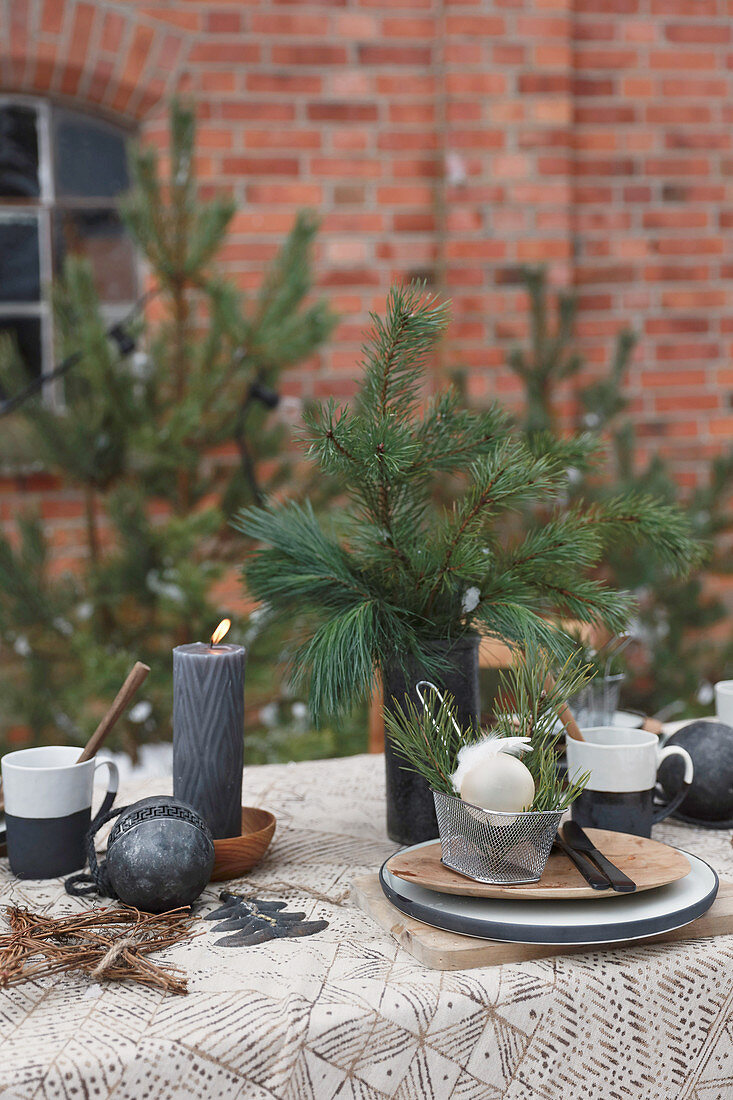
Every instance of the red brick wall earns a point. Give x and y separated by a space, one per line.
654 209
460 139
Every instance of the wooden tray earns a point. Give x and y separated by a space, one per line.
441 950
648 862
236 855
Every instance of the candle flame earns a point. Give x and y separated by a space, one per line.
220 631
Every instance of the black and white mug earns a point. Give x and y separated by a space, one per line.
623 765
48 808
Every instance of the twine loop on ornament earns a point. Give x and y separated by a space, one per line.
96 880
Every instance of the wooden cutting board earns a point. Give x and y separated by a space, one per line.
647 862
440 950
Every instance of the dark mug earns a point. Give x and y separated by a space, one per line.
48 808
623 765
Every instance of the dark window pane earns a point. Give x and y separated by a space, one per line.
100 236
90 157
26 334
19 271
18 153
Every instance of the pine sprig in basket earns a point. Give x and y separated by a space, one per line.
531 699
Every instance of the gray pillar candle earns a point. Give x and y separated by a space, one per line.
208 733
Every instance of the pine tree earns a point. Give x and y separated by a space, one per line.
136 437
551 360
680 623
390 573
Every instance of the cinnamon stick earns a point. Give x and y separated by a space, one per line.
135 678
564 713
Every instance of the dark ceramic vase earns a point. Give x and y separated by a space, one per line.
410 810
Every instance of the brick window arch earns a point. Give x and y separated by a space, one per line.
62 173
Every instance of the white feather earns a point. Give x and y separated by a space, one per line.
471 755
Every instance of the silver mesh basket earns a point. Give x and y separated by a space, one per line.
488 846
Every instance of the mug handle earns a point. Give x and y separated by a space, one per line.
664 809
112 785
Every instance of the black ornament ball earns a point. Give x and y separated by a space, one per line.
160 854
710 744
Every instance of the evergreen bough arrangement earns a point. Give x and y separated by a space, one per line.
389 574
427 741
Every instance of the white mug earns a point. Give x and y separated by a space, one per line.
724 701
623 765
48 803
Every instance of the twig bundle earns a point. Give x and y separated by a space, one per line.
107 944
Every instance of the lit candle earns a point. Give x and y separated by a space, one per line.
208 730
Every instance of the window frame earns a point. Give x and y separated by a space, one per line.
42 207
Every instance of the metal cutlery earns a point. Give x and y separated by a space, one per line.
580 842
587 868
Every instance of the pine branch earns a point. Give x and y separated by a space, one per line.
331 436
396 351
528 708
449 437
338 657
400 572
663 528
516 623
426 738
508 478
299 560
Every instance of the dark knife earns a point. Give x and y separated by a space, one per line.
587 868
580 842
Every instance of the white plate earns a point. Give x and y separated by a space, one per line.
631 917
628 720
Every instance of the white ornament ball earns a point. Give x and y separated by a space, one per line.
499 782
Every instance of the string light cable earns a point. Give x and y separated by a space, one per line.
257 392
117 333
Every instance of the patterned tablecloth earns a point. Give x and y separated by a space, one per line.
347 1014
